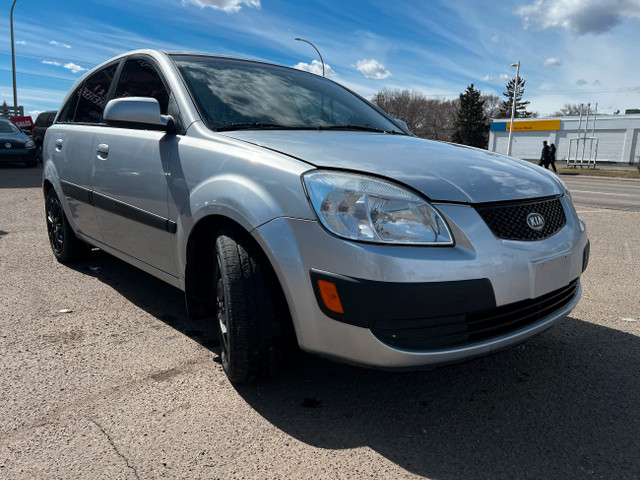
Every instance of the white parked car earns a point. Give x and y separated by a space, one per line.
292 211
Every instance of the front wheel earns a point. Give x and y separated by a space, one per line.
255 328
65 245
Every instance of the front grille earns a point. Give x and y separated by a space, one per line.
460 330
509 221
13 143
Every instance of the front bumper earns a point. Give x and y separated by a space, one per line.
18 155
385 325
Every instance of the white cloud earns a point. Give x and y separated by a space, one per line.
69 66
495 39
58 44
551 62
34 113
316 67
579 16
372 69
228 6
487 78
20 42
74 68
505 78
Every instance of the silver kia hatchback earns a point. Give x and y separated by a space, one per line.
291 211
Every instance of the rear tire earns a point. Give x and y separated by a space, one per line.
255 327
65 245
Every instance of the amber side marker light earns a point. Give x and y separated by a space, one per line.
330 297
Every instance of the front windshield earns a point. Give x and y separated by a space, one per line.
237 94
8 127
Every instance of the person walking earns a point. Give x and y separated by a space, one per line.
552 157
545 155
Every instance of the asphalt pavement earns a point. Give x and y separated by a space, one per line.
610 193
105 377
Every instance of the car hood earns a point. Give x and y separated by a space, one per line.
441 171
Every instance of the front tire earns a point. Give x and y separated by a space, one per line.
255 329
65 245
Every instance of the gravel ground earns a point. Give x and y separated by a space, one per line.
124 386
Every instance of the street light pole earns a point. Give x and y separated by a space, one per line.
13 62
513 107
307 41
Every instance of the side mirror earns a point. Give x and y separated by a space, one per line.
138 112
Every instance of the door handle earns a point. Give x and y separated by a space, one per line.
59 145
103 151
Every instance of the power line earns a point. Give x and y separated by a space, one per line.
38 75
48 58
602 90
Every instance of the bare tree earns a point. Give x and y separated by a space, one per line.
426 117
440 119
492 105
573 110
406 105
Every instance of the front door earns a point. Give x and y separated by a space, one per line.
130 176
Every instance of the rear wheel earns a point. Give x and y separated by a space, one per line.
65 245
255 329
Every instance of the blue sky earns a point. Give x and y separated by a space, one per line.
571 51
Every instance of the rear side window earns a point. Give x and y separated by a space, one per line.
93 96
69 108
50 118
139 78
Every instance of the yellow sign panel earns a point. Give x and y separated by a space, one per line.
534 125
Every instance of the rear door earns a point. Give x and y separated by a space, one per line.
70 143
130 169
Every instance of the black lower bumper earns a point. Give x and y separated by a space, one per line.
435 315
22 155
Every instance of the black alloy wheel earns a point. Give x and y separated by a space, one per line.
64 244
55 224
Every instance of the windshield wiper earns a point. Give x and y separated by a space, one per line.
362 128
254 125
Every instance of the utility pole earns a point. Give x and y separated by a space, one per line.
13 61
513 107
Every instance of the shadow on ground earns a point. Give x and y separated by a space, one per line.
563 405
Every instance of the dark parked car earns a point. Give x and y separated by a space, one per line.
44 121
15 145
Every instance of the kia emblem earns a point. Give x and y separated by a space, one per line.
7 145
535 221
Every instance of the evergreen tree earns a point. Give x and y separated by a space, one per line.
521 107
471 124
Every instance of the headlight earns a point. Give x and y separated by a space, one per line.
29 144
359 207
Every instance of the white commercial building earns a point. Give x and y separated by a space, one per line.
618 137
